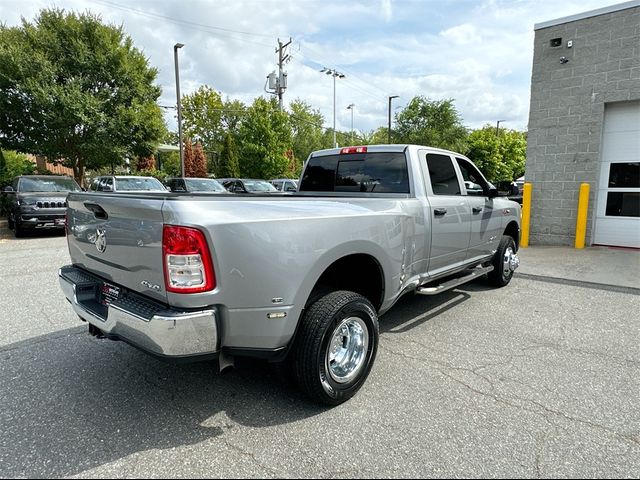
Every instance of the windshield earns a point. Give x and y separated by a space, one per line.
203 185
49 184
259 186
138 183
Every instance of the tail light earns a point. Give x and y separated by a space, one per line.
346 150
187 262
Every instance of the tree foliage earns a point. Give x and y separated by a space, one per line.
202 115
434 123
499 157
199 162
306 130
76 90
229 164
265 137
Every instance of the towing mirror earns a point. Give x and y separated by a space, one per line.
493 192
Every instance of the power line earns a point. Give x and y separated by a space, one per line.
200 26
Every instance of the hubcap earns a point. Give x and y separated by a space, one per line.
510 261
347 350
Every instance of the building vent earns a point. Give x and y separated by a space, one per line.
556 42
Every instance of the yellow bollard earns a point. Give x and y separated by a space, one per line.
581 222
526 215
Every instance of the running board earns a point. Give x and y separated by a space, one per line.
443 287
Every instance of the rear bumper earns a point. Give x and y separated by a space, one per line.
145 324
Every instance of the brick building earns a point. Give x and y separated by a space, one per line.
584 126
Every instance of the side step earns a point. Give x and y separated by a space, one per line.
443 287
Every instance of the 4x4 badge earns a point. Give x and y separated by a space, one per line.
101 240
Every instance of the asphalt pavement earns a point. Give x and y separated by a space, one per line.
537 379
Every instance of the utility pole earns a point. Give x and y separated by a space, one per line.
282 76
389 129
352 108
334 73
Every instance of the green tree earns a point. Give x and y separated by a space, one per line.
433 123
499 157
76 91
306 129
375 137
265 138
229 165
15 164
202 117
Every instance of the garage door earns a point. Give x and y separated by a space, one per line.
618 199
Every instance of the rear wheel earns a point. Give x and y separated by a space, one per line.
505 262
336 347
18 231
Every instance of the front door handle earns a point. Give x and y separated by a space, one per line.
439 212
476 209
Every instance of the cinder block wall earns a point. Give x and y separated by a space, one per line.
567 111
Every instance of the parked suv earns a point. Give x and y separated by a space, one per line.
126 183
285 184
38 202
195 185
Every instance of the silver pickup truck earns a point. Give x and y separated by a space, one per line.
295 278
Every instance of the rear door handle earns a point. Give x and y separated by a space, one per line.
476 209
439 212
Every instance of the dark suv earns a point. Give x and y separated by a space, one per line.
38 202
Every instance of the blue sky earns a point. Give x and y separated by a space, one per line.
476 52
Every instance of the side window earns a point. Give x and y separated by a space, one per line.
94 185
473 181
290 187
109 182
444 180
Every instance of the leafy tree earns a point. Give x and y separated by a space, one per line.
199 162
434 123
499 157
233 113
188 158
375 137
170 164
15 164
3 164
146 163
77 91
306 130
229 165
265 137
202 116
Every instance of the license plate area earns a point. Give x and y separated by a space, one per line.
109 293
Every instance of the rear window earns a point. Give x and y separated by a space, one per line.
129 184
379 172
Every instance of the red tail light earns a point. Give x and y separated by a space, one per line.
353 150
187 262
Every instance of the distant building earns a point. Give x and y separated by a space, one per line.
584 126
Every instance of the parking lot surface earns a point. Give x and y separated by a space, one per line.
538 379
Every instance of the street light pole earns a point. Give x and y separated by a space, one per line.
333 72
175 57
498 126
352 108
389 128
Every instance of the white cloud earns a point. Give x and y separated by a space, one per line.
476 52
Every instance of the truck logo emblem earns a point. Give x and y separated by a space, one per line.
101 240
152 286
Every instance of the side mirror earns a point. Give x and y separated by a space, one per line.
493 192
9 190
168 188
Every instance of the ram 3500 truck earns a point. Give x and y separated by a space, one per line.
298 278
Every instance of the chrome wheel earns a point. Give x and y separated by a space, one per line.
510 262
347 350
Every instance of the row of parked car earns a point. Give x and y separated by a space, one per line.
127 183
35 202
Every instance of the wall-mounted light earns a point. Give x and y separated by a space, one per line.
563 60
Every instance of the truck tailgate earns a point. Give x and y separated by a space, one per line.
119 238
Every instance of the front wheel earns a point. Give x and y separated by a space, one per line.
505 262
336 346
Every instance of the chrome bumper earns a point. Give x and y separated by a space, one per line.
143 323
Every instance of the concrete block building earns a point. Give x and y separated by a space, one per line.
584 126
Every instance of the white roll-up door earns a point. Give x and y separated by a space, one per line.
618 200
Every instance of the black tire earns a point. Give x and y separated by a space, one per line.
501 274
325 324
10 222
18 231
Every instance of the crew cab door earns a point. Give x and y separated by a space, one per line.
448 210
486 222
